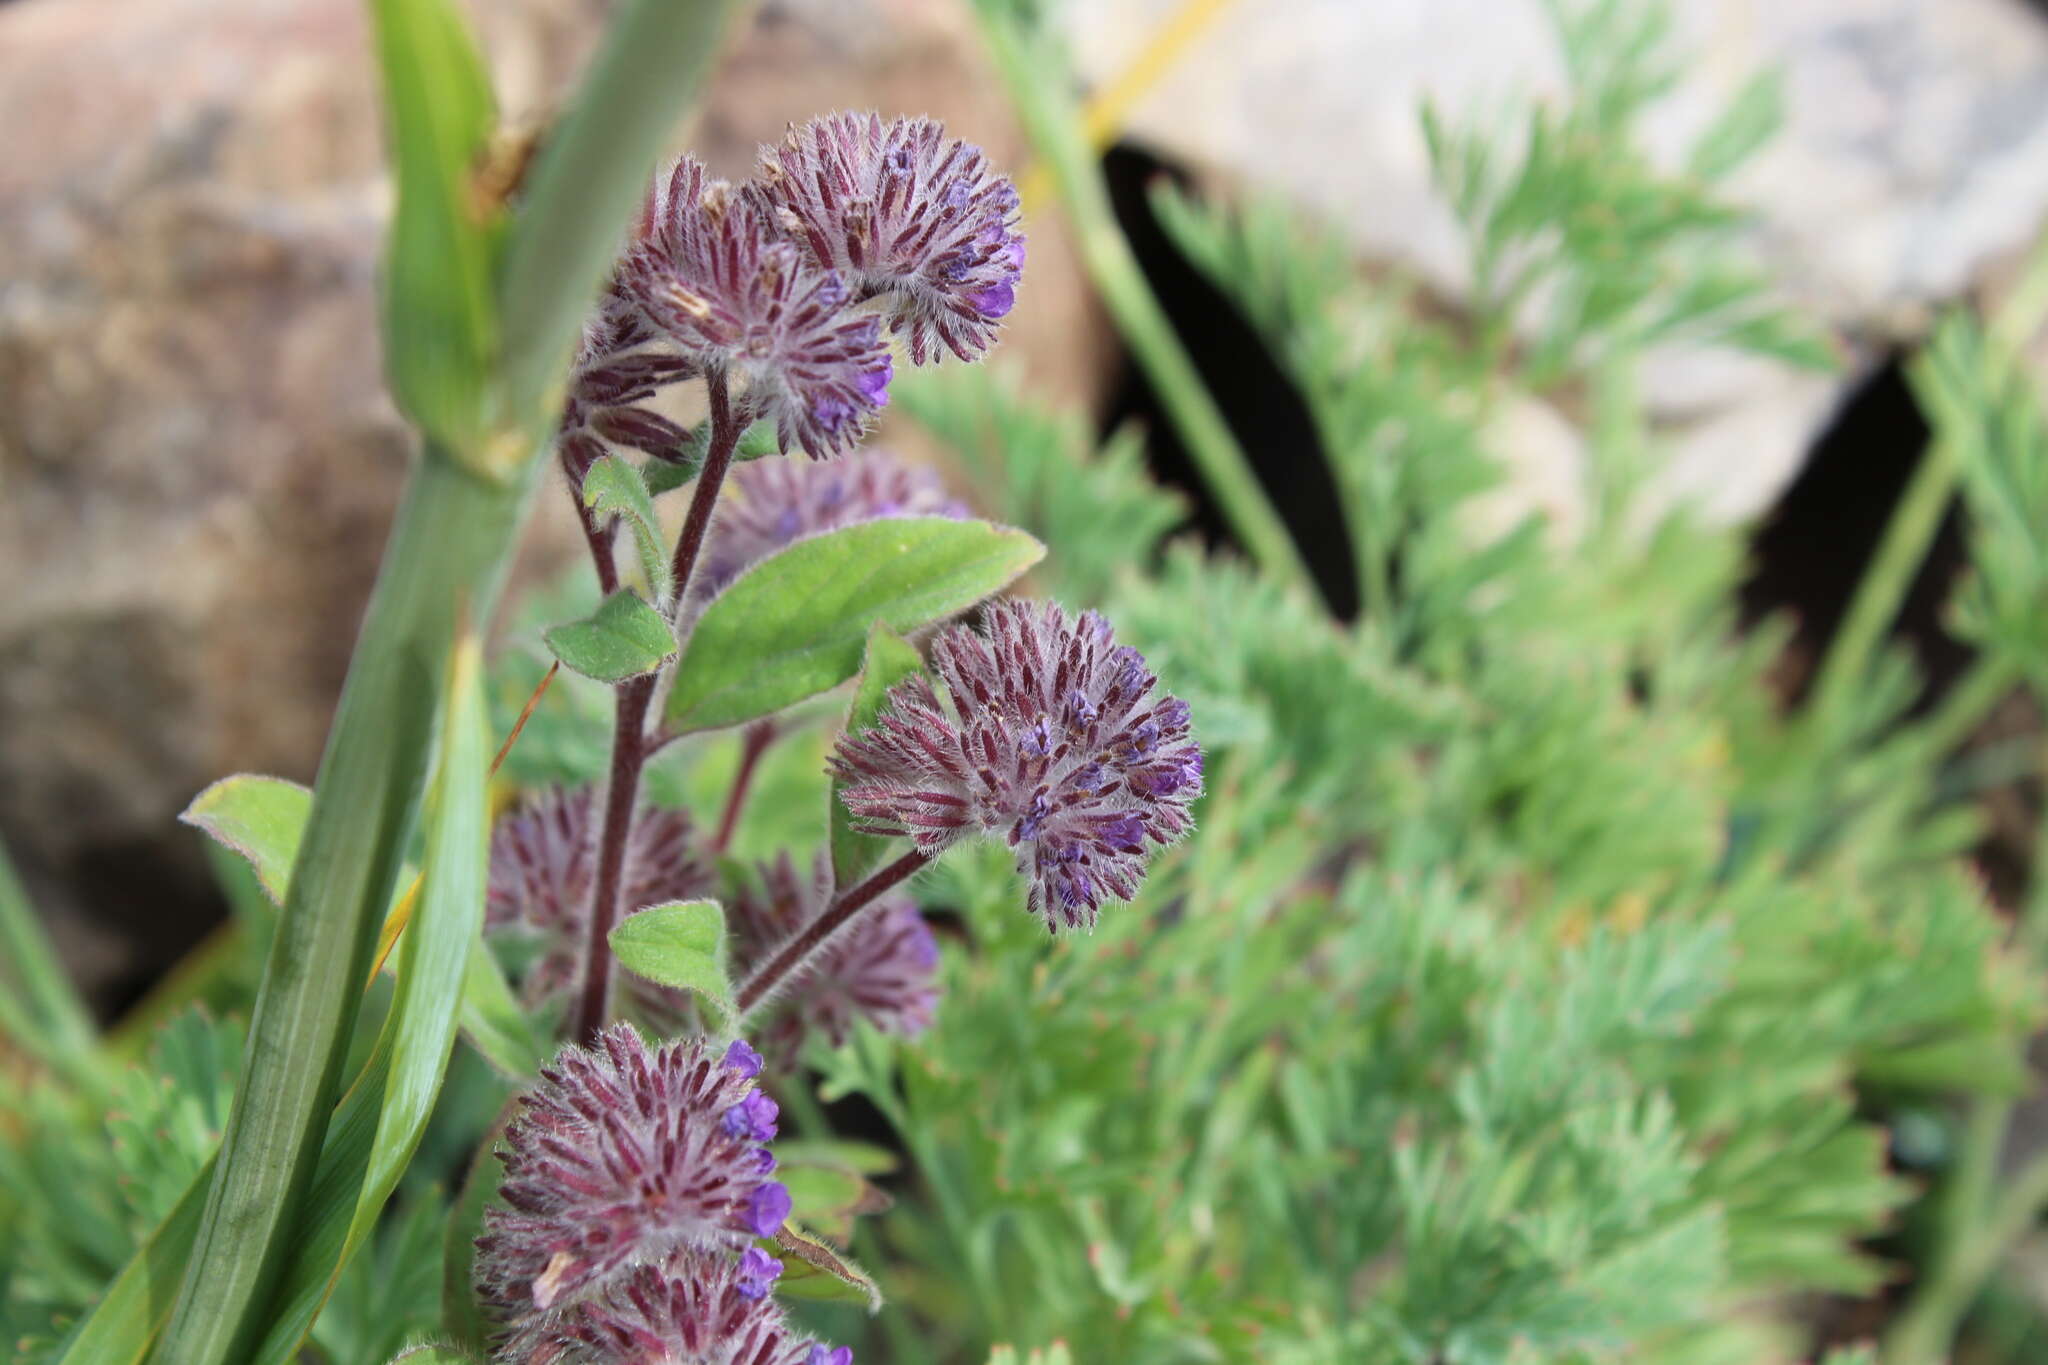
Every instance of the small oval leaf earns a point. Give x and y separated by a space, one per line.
613 488
797 623
622 639
261 818
821 1272
680 945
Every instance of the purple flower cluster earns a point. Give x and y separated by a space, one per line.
543 870
883 967
709 270
906 215
1049 739
622 1157
770 504
768 285
687 1309
614 375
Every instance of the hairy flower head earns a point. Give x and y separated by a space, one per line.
690 1308
616 371
1050 738
544 871
770 504
883 967
709 268
907 215
622 1156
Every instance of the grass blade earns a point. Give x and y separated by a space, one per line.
40 1008
446 559
589 179
433 957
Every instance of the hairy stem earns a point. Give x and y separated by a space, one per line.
621 795
758 737
726 426
791 957
630 740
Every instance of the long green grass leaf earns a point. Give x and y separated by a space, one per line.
41 1009
433 958
439 323
589 178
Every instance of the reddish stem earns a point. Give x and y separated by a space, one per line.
844 908
630 746
622 794
725 438
758 737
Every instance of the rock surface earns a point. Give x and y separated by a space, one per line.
1914 153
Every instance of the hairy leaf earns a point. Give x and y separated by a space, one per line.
680 945
622 639
797 623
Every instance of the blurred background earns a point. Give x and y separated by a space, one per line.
198 462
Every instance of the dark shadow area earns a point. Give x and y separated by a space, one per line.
158 895
1814 547
1264 409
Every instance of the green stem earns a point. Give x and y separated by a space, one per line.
1965 705
1845 668
54 1020
1036 89
445 563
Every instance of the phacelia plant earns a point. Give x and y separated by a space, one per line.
639 1206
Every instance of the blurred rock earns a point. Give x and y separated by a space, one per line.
1915 152
197 460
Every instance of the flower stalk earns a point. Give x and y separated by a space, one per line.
789 960
630 738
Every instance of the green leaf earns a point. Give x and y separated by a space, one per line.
260 818
864 1157
494 1021
828 1196
420 1030
890 659
680 945
622 639
434 1353
461 1316
796 624
821 1272
37 1003
613 488
440 316
662 476
122 1325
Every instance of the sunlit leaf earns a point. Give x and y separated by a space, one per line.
797 623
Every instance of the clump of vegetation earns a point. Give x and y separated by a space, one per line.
838 959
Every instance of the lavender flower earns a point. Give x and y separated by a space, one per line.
621 1156
543 871
709 270
691 1308
903 213
883 967
1050 740
771 503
